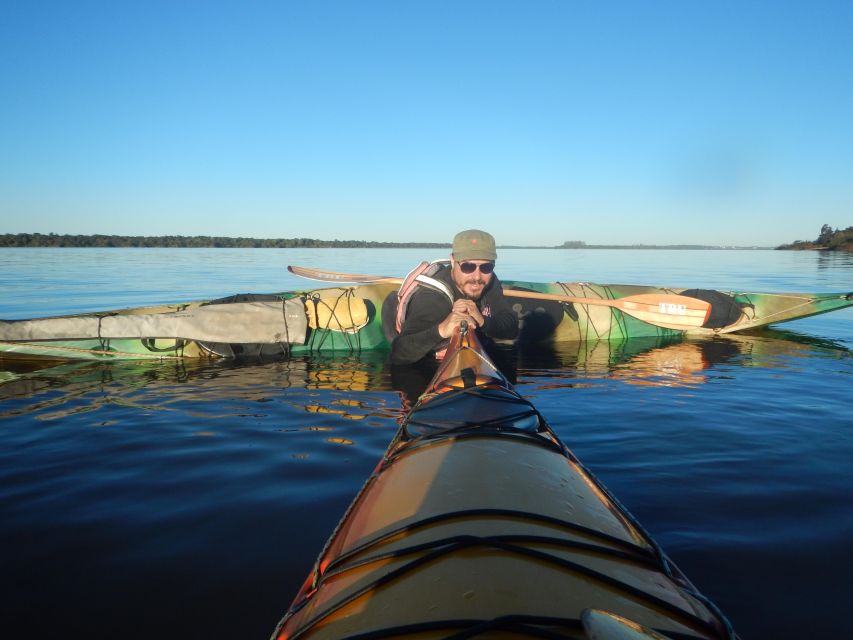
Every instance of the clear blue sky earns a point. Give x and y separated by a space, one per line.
543 121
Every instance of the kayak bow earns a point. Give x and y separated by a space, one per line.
479 522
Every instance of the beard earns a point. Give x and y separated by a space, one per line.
473 288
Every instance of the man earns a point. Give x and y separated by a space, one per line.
477 298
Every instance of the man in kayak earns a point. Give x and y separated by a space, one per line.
465 290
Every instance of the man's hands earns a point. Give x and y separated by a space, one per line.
462 310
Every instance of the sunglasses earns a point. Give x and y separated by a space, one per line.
469 267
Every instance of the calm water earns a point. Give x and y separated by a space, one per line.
190 500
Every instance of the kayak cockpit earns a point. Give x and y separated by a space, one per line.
468 394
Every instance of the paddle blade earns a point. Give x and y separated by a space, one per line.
333 276
667 310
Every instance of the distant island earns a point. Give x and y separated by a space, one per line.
207 242
828 240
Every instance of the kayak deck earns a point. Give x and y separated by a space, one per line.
478 522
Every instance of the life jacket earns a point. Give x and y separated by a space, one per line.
396 304
422 275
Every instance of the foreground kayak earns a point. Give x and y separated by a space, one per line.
479 522
355 319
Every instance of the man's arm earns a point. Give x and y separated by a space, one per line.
420 336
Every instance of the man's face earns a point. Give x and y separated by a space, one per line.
473 283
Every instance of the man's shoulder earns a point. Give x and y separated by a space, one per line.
443 283
443 272
429 292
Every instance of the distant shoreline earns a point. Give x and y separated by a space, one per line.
67 241
828 240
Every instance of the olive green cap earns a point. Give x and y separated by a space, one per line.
474 244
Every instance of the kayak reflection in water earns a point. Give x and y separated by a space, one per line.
437 297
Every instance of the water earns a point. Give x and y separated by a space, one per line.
190 499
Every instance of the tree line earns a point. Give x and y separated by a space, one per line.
98 240
839 239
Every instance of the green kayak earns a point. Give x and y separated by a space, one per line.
350 318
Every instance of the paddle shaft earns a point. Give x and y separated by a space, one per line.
668 310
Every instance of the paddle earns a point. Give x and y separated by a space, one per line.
666 310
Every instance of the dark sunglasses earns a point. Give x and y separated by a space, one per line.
470 267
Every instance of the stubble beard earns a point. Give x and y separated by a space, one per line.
474 296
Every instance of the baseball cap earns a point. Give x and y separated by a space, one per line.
474 244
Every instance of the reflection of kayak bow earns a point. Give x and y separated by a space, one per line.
478 522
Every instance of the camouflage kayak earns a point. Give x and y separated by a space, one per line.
351 319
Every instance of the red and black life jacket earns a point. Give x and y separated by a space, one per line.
420 276
397 303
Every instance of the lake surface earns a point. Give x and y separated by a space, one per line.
189 500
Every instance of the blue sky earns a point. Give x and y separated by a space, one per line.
545 121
